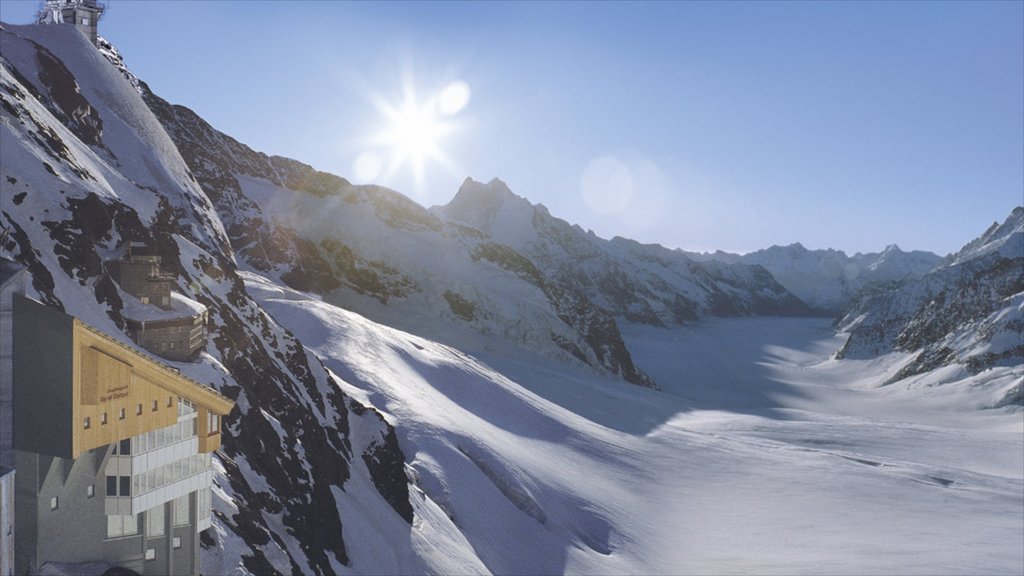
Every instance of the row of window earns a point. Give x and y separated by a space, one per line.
156 439
119 526
123 412
90 491
169 473
164 300
173 345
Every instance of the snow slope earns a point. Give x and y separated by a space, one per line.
779 460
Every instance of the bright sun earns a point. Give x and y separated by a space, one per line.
413 134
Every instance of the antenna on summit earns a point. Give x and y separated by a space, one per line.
84 14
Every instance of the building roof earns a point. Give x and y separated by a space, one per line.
181 307
171 380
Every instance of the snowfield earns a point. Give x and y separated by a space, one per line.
762 455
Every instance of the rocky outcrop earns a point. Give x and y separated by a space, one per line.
968 312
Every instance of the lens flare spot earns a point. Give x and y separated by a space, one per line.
453 98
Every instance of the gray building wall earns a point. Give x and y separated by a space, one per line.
76 531
9 286
7 476
42 378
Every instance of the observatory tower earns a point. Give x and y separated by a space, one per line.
84 14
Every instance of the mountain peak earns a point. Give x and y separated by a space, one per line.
478 204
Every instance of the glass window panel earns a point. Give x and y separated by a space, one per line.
155 521
111 485
181 512
115 526
131 525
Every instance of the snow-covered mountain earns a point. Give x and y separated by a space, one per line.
829 280
969 312
85 167
487 428
489 267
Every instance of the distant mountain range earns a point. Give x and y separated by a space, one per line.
829 280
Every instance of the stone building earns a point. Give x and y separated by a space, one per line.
138 273
112 451
85 14
159 320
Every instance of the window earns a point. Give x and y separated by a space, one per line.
170 401
90 490
165 300
144 299
111 485
155 521
103 418
202 504
121 414
126 485
150 554
138 410
118 526
181 511
154 406
176 542
126 447
212 423
86 423
54 502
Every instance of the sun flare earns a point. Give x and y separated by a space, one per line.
413 134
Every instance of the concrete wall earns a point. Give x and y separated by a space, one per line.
42 378
76 531
11 286
7 476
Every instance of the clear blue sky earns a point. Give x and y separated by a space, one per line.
849 125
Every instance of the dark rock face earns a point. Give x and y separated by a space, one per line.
67 102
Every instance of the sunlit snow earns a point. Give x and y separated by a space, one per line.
762 455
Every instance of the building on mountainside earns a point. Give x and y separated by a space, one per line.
13 277
84 14
12 280
112 451
163 322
